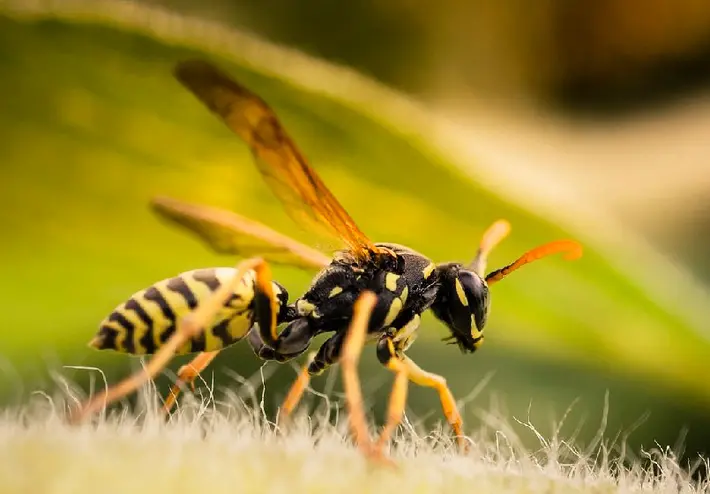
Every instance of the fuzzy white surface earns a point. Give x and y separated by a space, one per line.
231 447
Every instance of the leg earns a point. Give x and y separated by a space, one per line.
492 237
390 346
292 342
448 403
187 375
398 400
265 314
297 388
352 348
391 356
328 354
187 327
266 306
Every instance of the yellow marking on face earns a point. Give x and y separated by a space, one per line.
428 270
393 311
475 333
404 295
461 293
391 281
335 291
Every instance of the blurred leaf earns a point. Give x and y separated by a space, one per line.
93 126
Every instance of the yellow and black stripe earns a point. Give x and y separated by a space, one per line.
148 318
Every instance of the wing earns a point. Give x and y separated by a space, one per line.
285 170
229 233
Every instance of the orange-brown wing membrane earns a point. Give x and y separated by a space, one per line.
229 233
281 164
572 250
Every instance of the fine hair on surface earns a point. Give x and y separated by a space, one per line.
225 442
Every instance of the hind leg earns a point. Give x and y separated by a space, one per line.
295 339
187 375
266 310
405 368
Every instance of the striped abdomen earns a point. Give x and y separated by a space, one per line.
148 318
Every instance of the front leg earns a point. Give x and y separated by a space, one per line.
390 353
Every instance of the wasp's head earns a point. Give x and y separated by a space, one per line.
462 304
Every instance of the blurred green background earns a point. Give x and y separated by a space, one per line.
92 125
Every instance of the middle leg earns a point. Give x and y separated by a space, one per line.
390 353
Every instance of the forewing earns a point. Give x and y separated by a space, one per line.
229 233
293 181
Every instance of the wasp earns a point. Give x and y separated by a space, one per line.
365 292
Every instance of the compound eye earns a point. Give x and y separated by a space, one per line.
472 285
476 294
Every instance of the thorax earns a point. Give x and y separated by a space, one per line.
331 295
